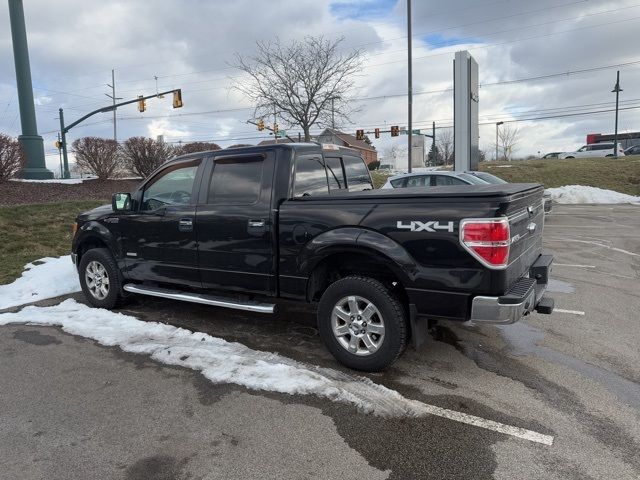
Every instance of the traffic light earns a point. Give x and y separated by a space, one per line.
275 129
360 134
376 132
141 104
395 130
177 98
58 144
261 125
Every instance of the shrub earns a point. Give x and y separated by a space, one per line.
374 165
143 155
194 147
97 155
12 158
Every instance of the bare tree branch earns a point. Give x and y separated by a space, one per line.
99 156
301 81
508 138
12 158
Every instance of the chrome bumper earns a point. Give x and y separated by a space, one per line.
522 299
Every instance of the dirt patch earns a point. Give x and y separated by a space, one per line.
22 193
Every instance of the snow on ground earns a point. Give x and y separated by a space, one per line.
221 361
52 277
67 181
573 194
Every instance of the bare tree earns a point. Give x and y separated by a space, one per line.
508 138
396 155
194 147
97 155
143 155
307 82
444 140
12 158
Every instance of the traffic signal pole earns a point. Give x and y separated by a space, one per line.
64 129
409 84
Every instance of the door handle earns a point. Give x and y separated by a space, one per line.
185 224
256 223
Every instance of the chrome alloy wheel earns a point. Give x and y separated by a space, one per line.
357 325
97 280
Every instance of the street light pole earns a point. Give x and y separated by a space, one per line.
497 125
409 83
616 90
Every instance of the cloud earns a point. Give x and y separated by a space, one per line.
190 44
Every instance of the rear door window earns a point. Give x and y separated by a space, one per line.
357 174
335 173
419 181
236 181
310 176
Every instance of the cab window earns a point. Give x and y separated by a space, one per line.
236 181
419 181
310 176
172 186
335 173
443 180
357 174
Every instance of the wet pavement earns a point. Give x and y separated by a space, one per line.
73 409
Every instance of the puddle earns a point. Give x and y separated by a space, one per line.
559 286
523 340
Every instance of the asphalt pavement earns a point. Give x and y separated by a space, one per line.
70 408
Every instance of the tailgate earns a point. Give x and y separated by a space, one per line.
526 222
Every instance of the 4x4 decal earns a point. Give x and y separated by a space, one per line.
428 226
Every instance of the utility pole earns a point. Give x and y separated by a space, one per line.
333 118
114 98
275 123
409 82
617 91
60 155
31 142
497 125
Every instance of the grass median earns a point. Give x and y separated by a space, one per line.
30 232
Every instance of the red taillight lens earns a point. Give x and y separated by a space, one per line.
488 240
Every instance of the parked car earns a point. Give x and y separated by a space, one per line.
633 150
551 155
594 150
242 228
432 179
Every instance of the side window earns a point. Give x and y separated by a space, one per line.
357 174
604 146
398 182
334 173
172 186
443 180
310 177
583 149
236 181
419 181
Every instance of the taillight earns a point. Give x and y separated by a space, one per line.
488 240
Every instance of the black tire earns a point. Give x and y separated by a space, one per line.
569 157
394 320
102 257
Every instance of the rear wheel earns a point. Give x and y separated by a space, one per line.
362 323
100 278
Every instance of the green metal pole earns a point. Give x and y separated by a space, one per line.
31 142
63 133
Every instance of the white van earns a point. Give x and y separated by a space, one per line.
603 149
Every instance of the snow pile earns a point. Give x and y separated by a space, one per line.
52 277
572 194
67 181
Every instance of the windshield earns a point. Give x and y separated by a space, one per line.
472 179
489 178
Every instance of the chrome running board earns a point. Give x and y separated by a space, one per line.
249 306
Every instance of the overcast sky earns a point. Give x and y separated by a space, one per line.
189 44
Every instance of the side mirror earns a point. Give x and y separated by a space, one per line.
121 202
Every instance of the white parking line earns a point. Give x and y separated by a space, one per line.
572 312
572 265
489 424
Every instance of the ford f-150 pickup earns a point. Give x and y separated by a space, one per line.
240 228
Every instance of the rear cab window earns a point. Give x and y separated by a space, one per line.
357 173
335 174
310 177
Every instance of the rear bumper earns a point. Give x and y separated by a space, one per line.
524 297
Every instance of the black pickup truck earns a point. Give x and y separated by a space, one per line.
241 227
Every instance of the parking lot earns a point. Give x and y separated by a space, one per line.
75 409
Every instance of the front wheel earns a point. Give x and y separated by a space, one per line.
100 278
362 323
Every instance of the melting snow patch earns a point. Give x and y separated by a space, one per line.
51 277
573 194
222 361
67 181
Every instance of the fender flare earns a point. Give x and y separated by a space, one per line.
96 231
